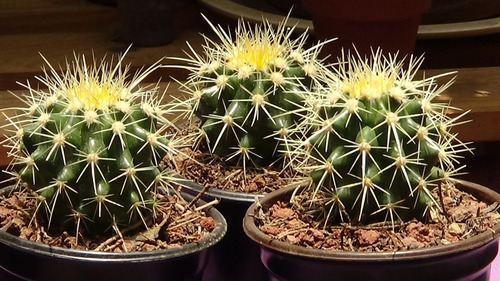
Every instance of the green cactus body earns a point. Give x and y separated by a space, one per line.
90 147
378 144
247 93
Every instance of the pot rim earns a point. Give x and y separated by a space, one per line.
138 256
221 193
254 233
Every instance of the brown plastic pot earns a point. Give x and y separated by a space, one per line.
21 259
391 25
462 261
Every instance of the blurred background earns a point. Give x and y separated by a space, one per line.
453 36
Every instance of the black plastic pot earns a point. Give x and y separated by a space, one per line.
462 261
236 257
25 260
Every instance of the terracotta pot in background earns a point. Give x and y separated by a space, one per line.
389 24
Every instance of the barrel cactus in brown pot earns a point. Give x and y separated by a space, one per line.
87 148
246 91
379 157
380 141
244 98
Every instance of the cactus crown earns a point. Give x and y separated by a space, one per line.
90 144
246 91
377 143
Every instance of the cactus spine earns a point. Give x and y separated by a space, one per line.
89 146
246 91
378 143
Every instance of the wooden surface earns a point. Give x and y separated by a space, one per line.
57 28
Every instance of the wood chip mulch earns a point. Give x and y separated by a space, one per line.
213 173
176 224
465 217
